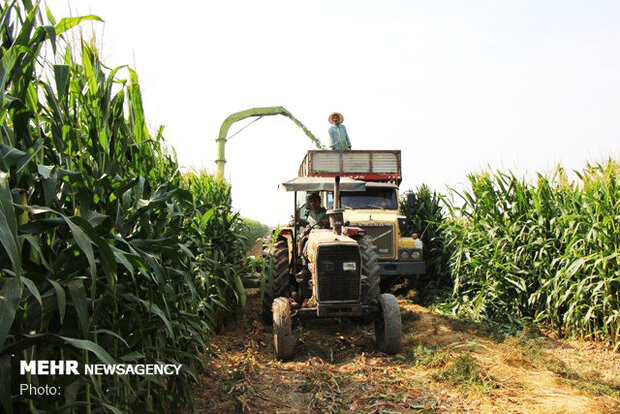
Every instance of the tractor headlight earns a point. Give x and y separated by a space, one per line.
410 255
326 266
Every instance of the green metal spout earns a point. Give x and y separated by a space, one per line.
260 112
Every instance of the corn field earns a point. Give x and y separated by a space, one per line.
546 253
426 220
108 254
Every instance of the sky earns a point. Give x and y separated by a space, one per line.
457 86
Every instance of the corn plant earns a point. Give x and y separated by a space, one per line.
426 219
548 252
108 254
255 231
510 251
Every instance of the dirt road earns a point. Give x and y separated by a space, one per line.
445 366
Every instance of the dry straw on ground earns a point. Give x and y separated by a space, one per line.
445 366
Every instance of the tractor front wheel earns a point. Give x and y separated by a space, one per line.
283 340
388 326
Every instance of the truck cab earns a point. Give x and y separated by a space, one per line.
377 209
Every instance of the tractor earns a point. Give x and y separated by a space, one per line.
342 279
376 210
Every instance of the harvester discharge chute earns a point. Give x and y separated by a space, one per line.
254 112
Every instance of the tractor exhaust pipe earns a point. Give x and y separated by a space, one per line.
337 193
336 216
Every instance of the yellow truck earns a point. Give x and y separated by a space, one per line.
376 209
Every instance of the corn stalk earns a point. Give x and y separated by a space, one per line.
107 253
547 252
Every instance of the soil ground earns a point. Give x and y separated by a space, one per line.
445 365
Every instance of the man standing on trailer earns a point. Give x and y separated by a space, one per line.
338 137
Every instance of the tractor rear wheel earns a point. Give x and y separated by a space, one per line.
370 269
275 281
283 340
388 326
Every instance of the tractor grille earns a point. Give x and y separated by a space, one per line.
334 284
383 236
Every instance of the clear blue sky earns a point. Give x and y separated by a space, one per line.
455 85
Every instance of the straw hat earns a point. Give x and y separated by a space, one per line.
337 115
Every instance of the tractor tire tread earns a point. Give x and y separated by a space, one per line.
283 340
388 327
370 269
279 283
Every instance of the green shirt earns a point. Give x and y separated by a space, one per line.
312 217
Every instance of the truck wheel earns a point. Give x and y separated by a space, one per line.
275 279
283 340
370 269
388 326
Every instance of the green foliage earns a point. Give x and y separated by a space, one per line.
429 356
463 371
253 231
546 253
426 219
107 252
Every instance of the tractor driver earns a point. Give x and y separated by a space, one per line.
316 215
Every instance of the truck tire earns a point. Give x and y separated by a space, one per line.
283 341
275 279
388 326
370 269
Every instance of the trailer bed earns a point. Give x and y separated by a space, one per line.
366 165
